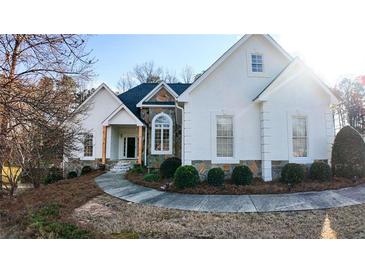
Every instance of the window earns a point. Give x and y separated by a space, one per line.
162 134
256 63
224 136
300 141
88 145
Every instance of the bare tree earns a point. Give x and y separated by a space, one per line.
38 86
148 72
187 74
126 82
169 76
351 109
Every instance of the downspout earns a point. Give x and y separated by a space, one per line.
145 145
182 132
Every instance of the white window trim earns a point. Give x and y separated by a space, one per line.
160 152
250 73
92 157
214 158
299 160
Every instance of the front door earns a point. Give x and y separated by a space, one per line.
131 147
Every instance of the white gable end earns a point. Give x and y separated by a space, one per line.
235 65
229 89
122 117
99 107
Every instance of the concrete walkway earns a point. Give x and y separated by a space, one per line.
116 186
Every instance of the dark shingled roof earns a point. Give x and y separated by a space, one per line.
132 97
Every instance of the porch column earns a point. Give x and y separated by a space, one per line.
139 159
103 149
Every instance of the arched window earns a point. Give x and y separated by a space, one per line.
161 134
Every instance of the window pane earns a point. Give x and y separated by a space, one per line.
163 127
88 145
158 139
256 63
162 120
300 137
224 136
300 147
166 139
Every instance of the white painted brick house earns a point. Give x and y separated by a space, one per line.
256 105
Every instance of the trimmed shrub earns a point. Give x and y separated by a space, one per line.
292 174
72 174
348 154
169 166
85 170
155 171
186 176
54 175
320 171
242 175
137 169
151 177
215 177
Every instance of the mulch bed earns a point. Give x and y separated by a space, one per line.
69 194
257 187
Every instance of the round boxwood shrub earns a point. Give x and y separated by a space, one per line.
169 166
186 176
72 174
320 171
52 178
151 177
242 175
215 177
348 154
292 174
85 170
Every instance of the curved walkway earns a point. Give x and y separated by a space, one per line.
119 187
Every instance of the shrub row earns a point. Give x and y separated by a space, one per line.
292 174
348 160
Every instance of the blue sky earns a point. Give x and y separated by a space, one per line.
119 54
330 58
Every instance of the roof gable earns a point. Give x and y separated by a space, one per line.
122 116
289 73
131 97
101 87
224 57
161 87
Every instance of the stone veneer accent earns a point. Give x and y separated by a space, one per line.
276 168
204 166
147 114
77 164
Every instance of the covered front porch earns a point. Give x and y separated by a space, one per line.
124 138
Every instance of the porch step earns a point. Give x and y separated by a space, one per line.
121 167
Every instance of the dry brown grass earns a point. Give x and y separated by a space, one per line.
69 194
257 187
84 204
